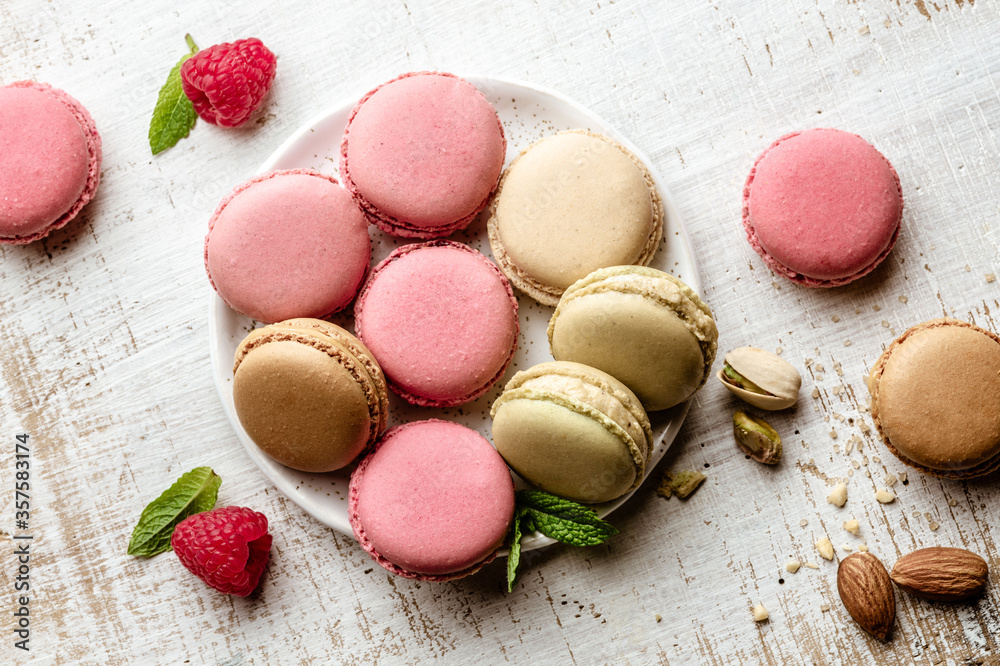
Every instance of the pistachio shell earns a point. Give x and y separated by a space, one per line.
768 371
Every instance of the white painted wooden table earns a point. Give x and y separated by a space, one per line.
104 350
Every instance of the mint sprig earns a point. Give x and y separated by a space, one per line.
556 518
514 548
174 115
194 492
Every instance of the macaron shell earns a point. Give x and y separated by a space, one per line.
280 386
936 398
301 407
442 321
373 379
50 160
563 448
422 154
287 244
642 326
598 391
433 502
611 331
822 207
568 205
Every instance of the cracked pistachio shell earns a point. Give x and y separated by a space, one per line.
768 371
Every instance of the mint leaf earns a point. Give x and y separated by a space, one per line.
514 550
563 520
527 524
195 492
555 517
173 116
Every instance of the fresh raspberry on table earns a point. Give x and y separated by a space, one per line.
228 81
227 548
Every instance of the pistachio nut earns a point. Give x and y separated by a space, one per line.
757 439
761 378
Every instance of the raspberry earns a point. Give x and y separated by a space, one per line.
227 82
227 548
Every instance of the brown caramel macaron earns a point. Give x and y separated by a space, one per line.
309 394
936 398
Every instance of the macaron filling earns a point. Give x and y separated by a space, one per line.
600 399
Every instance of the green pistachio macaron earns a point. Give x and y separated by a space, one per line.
573 431
642 326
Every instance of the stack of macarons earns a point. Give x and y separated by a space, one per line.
436 321
572 223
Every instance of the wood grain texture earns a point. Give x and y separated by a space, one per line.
104 349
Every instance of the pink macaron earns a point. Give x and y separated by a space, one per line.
422 153
433 501
50 160
287 244
822 207
442 321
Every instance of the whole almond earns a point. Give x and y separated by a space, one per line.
866 591
941 574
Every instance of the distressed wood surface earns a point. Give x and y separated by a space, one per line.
104 347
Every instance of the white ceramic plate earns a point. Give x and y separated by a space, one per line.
528 113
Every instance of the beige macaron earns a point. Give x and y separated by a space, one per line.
309 394
573 431
643 326
936 398
570 204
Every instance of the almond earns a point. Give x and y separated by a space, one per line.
866 591
941 574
